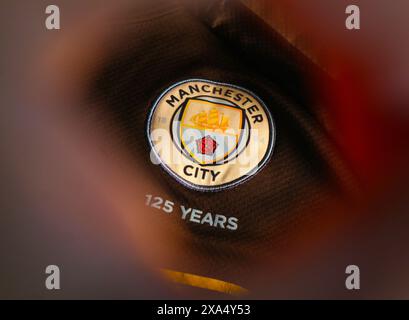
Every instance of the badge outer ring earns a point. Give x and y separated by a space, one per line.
228 185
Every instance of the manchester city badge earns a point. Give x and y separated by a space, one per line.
208 135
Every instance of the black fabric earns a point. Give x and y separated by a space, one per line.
223 41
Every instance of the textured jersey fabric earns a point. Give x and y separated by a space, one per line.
223 41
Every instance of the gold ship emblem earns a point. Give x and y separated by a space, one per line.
213 120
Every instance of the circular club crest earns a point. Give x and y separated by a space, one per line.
208 135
